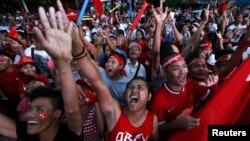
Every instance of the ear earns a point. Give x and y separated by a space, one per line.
58 113
149 96
121 67
11 62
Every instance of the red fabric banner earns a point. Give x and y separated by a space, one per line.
138 16
229 106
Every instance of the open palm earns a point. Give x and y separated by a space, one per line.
159 15
57 41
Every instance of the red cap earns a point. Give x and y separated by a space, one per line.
72 15
206 45
13 33
25 60
134 44
88 92
28 78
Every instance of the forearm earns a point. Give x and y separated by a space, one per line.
69 90
220 44
156 47
127 37
166 127
7 126
177 35
110 44
193 41
234 61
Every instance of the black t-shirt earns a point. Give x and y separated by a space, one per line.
63 134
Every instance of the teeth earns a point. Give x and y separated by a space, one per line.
32 122
134 97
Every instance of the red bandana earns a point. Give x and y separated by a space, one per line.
118 58
206 45
195 60
172 59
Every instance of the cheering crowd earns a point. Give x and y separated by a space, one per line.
114 78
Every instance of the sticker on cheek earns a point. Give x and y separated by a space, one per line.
43 116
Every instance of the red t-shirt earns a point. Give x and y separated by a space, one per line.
167 105
147 63
125 131
9 83
142 43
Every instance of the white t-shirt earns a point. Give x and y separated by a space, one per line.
131 69
116 87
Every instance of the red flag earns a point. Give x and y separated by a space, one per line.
229 106
99 8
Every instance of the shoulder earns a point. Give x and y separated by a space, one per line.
65 134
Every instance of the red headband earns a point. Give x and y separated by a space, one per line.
172 59
195 60
206 45
118 58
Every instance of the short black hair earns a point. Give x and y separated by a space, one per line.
47 92
7 53
143 79
165 49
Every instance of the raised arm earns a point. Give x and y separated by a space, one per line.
236 57
105 35
108 105
219 41
160 17
177 34
196 37
58 43
7 126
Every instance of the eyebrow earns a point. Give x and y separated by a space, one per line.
40 106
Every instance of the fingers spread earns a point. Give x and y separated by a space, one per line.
166 10
60 21
53 17
44 18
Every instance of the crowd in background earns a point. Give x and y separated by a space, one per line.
170 52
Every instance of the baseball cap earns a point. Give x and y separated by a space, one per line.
134 44
25 60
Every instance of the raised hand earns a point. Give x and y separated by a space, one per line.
218 34
57 40
186 122
159 15
206 16
211 80
64 16
104 34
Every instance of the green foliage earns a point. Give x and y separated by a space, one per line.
173 3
